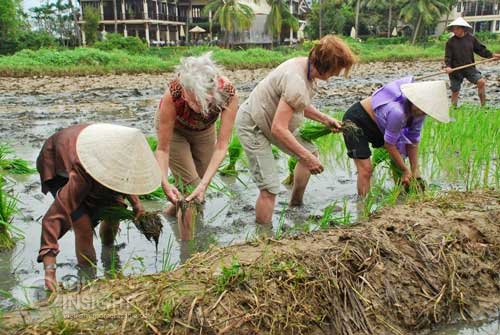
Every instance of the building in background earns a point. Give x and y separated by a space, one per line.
483 16
167 22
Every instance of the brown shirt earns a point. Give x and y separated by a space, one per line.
58 158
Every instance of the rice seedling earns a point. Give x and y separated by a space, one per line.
230 276
166 259
276 151
149 224
311 130
235 151
167 308
280 230
12 164
291 163
381 156
464 152
153 142
8 207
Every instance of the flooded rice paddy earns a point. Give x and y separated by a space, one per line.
31 109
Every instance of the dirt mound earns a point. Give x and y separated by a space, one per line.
407 269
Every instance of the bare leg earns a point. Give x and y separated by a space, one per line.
364 167
264 207
108 231
171 210
481 90
300 180
85 252
186 224
454 98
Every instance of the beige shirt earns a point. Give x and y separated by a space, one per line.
288 82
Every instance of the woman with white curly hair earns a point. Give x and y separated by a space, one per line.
185 124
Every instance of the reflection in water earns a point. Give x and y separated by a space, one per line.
110 260
7 279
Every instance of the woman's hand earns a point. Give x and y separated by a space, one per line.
334 124
407 176
313 164
198 193
172 193
139 211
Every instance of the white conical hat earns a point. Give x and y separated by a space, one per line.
119 158
459 21
430 97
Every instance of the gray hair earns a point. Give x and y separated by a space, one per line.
199 75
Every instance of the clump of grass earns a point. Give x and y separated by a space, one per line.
12 164
230 276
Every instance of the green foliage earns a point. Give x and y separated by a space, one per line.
83 61
230 277
11 24
11 164
35 40
168 310
291 164
387 40
486 36
92 17
454 151
232 16
8 207
130 44
235 151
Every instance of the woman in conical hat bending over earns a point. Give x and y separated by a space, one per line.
392 118
88 167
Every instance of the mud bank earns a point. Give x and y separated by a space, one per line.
407 270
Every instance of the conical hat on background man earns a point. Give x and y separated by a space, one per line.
460 22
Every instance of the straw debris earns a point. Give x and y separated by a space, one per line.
408 269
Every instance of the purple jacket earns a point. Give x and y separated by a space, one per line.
393 115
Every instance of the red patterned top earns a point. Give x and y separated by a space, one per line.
189 119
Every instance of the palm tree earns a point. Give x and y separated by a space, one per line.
389 5
232 15
425 12
278 17
75 22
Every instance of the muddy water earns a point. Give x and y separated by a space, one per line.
31 109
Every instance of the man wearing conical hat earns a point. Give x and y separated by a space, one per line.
392 118
86 168
460 50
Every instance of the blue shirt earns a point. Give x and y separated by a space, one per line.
392 114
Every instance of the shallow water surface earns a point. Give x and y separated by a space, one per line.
31 109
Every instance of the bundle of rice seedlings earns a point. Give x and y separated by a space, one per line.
381 156
276 151
292 162
157 194
13 165
311 131
149 224
8 207
235 150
